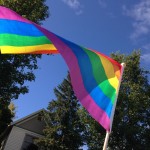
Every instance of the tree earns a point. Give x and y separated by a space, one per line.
131 125
94 133
12 108
34 10
64 128
15 70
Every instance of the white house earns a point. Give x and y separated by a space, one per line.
21 133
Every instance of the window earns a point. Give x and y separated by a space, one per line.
28 143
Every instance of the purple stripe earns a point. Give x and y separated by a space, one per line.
97 113
6 13
86 100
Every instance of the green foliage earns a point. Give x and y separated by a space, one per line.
64 128
94 134
15 70
34 10
131 125
12 108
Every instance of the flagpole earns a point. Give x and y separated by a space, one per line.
106 140
113 111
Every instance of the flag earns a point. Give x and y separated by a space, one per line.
19 35
95 77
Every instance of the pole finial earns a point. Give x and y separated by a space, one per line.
123 65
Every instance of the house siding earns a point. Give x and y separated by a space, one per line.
16 138
33 125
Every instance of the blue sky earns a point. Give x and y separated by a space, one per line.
104 25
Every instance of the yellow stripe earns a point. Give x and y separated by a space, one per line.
109 70
27 49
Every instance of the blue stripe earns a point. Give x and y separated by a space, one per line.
89 81
19 28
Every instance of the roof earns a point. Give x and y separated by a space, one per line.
26 118
18 122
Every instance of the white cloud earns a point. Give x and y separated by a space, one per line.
75 5
102 3
146 58
141 16
146 47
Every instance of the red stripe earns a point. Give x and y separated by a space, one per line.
110 59
76 79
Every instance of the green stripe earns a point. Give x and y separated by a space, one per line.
17 40
100 76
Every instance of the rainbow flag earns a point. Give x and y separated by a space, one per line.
95 77
21 36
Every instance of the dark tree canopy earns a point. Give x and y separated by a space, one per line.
34 10
15 70
94 133
131 125
64 128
